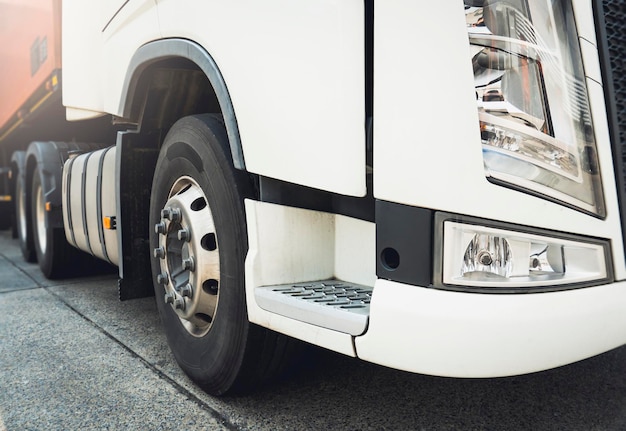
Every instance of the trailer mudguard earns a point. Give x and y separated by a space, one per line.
48 157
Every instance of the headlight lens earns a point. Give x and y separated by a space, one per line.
535 123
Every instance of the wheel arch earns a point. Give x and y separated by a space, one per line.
151 76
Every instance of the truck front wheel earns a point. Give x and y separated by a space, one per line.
199 246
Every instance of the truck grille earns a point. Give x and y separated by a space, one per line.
615 28
610 18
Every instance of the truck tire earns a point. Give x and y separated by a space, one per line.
5 215
6 206
199 246
23 220
54 253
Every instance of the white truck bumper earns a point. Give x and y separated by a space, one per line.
458 334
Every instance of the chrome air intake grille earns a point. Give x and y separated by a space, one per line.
610 16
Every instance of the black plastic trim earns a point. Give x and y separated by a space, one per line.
619 164
369 58
538 194
135 162
181 48
406 231
294 195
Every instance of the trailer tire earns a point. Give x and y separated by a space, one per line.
23 220
5 215
197 191
54 253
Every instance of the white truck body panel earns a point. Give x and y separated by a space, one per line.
295 79
323 139
95 37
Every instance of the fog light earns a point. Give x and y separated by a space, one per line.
495 257
487 254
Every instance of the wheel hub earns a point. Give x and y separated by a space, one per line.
21 216
189 256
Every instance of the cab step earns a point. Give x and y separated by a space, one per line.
331 304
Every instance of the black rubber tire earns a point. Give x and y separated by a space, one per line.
59 256
13 224
23 220
234 356
6 210
13 203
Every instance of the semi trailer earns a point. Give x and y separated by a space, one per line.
436 187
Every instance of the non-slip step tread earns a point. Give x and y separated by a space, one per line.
332 304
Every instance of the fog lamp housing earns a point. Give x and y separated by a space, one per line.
475 254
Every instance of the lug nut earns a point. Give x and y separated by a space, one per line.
159 253
163 278
169 298
172 214
160 228
179 304
184 235
187 290
188 264
175 215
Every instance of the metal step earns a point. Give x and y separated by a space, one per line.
332 304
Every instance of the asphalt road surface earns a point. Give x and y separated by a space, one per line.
72 357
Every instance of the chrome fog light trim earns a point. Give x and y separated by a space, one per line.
499 257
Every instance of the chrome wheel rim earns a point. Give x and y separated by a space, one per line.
21 211
40 214
188 255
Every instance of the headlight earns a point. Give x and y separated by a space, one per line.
481 254
535 124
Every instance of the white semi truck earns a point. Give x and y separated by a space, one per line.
436 187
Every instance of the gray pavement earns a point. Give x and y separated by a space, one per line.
72 357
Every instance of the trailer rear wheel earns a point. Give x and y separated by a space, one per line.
199 246
5 215
23 221
6 203
54 253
